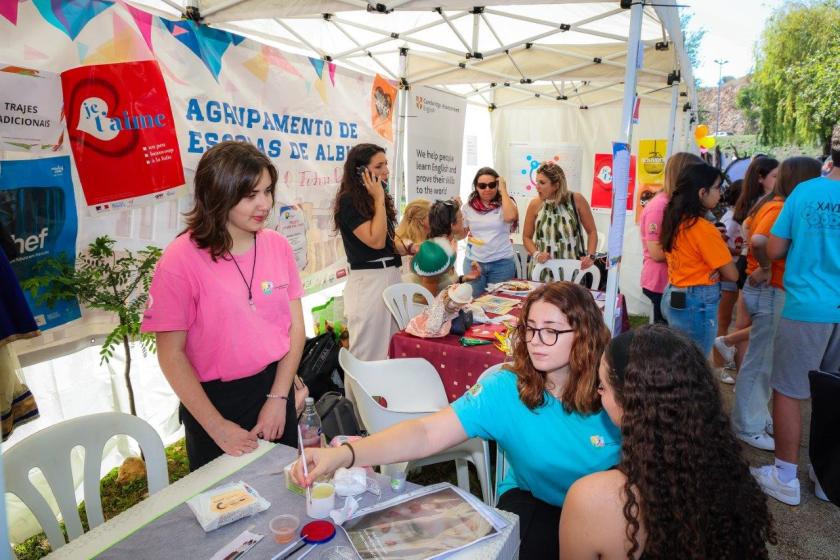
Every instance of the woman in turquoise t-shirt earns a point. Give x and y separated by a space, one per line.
543 410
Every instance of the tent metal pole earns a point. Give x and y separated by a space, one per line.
401 111
298 36
454 29
672 120
618 214
372 57
405 34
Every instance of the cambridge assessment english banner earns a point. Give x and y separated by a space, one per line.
304 113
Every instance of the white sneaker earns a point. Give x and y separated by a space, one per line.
768 478
726 352
760 441
818 491
726 378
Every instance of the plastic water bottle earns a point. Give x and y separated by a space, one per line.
310 425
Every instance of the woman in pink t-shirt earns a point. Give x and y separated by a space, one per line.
654 268
225 306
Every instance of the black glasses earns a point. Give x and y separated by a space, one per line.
548 336
482 186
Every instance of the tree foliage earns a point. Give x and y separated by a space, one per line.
104 279
797 76
691 39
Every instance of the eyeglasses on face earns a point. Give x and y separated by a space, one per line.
482 186
548 336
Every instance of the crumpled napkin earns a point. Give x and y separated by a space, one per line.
350 482
339 516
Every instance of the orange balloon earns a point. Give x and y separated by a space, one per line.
701 131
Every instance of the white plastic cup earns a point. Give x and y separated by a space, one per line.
398 481
322 500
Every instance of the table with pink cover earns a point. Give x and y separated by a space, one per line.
459 367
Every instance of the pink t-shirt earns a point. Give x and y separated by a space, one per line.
226 338
654 274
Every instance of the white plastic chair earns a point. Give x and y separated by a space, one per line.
568 270
412 389
399 299
49 450
521 260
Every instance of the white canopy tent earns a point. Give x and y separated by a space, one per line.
565 71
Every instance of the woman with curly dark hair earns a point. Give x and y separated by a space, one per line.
543 411
682 488
365 216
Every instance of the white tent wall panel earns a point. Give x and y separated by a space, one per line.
594 130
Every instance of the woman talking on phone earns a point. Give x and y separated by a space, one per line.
365 216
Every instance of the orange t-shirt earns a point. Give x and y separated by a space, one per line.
698 251
761 224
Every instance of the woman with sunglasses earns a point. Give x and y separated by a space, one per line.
697 255
543 410
554 219
682 488
490 215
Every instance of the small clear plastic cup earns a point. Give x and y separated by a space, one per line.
284 528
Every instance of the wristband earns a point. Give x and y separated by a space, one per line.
273 396
352 454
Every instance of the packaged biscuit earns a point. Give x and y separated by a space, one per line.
226 504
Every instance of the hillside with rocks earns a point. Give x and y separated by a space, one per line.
732 119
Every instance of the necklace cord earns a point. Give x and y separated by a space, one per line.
253 269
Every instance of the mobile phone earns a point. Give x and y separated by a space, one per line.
678 300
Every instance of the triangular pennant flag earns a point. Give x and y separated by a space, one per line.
206 43
9 10
258 66
321 88
318 65
143 21
276 58
83 49
71 17
332 73
30 53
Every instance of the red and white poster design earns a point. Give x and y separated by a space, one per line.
602 182
122 133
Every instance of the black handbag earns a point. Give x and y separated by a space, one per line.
462 322
319 367
825 440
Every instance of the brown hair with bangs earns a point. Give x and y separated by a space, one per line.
226 174
591 337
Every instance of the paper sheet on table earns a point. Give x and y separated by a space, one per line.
237 548
496 304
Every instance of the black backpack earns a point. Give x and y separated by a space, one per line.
338 416
319 366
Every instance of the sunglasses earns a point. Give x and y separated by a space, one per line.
482 186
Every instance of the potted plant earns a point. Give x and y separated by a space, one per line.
102 278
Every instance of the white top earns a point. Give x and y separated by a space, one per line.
735 238
489 238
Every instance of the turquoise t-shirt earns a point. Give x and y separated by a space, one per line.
810 218
548 448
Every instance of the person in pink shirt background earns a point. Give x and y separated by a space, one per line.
225 306
654 268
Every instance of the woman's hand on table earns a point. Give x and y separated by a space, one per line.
585 262
320 461
272 420
232 438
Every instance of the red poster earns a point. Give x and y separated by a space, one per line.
121 131
602 182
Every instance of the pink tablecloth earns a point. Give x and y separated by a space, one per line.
459 367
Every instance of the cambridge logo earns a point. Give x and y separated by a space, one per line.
420 101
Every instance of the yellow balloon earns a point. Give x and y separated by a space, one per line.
701 131
708 142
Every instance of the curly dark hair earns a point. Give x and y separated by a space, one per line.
591 337
687 480
226 174
353 187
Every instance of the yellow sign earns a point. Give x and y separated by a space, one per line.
651 172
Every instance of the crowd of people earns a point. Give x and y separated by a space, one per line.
622 446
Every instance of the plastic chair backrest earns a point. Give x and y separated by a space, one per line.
50 449
568 270
399 299
411 388
521 260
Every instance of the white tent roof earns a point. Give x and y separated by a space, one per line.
568 52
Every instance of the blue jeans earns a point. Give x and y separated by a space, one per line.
699 318
492 272
752 388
